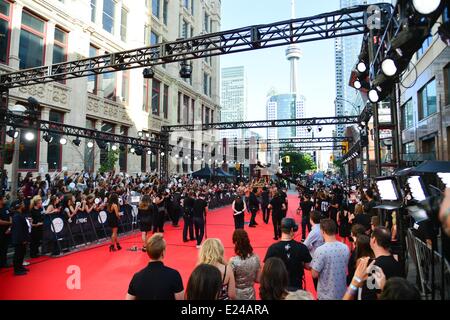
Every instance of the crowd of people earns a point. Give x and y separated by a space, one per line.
343 245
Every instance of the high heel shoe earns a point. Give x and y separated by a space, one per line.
111 248
118 246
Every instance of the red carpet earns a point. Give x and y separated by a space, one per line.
106 275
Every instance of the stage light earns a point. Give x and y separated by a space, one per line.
149 152
389 67
361 67
63 141
139 151
29 136
357 84
177 156
114 147
147 135
426 6
140 134
101 144
203 160
415 186
195 158
185 70
132 149
148 73
90 144
47 138
76 141
373 96
186 157
13 133
162 154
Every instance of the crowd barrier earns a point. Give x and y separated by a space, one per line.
61 234
423 258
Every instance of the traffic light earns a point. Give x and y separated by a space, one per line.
345 147
288 159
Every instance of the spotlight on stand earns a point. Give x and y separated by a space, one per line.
47 138
185 70
63 141
389 67
361 67
426 7
374 96
13 133
29 136
148 73
76 141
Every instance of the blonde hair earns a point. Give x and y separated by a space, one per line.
299 295
156 246
212 252
35 200
359 208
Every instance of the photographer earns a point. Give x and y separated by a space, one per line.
5 228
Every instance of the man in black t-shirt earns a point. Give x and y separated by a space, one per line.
156 281
306 206
200 210
380 243
294 254
276 205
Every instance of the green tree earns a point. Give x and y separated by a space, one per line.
110 161
300 162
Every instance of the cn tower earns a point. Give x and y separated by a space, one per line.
293 55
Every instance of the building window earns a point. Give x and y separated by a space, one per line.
193 110
109 86
54 149
93 10
166 102
32 39
186 4
108 128
89 153
429 148
123 154
108 15
192 7
427 100
206 22
92 79
154 39
184 29
123 24
212 116
409 148
186 109
5 30
206 115
447 84
145 96
424 47
407 115
205 83
29 151
155 8
156 87
179 108
125 86
165 11
60 47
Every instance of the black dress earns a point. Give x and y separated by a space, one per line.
145 219
113 222
344 225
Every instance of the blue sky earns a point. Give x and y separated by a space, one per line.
268 68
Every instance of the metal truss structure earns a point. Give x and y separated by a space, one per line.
353 152
341 23
271 142
25 122
263 124
310 148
